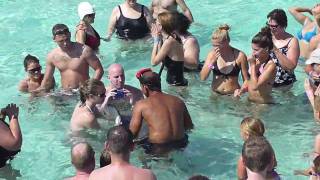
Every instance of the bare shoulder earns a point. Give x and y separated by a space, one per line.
147 174
52 54
23 85
97 173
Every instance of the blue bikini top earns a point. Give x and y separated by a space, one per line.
308 35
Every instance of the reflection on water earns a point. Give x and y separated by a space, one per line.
9 173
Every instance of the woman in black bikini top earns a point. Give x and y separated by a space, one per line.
226 63
170 53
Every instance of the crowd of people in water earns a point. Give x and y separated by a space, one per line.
156 121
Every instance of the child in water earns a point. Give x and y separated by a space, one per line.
254 127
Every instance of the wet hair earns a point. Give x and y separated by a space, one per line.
279 15
28 60
316 164
105 158
263 38
119 140
198 177
152 80
83 158
221 33
89 87
60 29
252 126
257 153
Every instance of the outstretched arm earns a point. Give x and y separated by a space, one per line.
186 11
46 83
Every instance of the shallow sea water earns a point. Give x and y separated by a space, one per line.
215 144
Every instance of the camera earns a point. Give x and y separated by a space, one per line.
119 94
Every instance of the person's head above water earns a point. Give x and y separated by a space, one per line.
92 89
116 76
220 37
149 79
82 157
32 67
251 126
262 44
119 140
86 12
257 154
60 29
61 35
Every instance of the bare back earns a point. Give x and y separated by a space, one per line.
121 172
72 65
166 115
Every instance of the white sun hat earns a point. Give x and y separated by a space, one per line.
314 57
85 8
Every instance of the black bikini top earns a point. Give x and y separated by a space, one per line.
235 71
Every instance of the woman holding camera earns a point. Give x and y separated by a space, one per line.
11 137
225 62
262 68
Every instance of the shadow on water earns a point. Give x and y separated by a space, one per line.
9 173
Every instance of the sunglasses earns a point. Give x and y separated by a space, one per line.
272 26
61 31
35 70
140 73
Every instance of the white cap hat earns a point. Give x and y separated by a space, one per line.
85 8
314 57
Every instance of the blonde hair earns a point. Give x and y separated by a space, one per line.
252 126
222 33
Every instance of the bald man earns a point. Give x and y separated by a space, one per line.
119 95
159 6
82 158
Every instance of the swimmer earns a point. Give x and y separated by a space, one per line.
119 95
159 6
311 83
85 33
309 28
72 59
167 116
285 49
130 20
119 144
262 68
82 158
34 79
258 157
191 48
250 127
92 92
225 62
170 52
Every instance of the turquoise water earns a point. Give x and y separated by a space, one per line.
215 144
